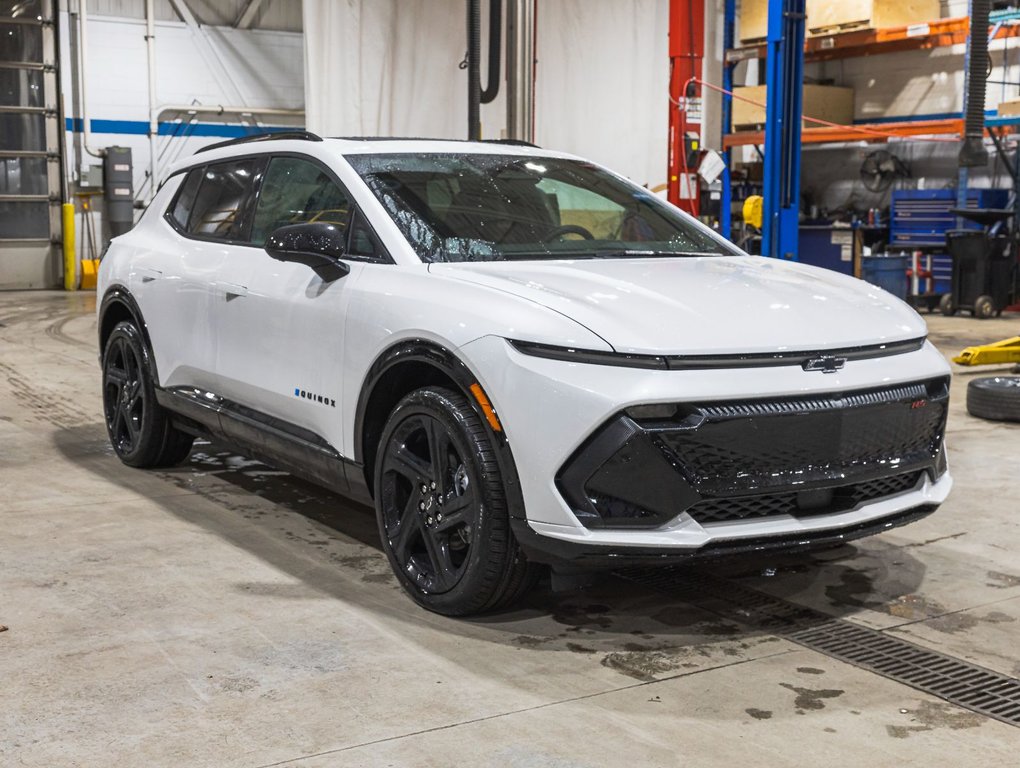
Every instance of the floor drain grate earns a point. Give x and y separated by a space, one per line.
958 682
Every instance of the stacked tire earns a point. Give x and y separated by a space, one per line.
994 397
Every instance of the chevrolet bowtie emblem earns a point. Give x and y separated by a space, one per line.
825 364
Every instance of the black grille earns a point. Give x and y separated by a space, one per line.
772 504
741 447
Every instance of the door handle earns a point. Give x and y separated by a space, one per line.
232 290
148 274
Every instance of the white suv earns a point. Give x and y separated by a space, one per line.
518 356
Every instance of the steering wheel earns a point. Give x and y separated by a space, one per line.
567 229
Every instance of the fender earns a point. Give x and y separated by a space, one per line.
444 360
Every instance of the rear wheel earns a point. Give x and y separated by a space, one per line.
139 428
441 507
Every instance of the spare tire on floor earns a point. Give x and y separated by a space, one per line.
994 397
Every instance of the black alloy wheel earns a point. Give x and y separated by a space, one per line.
139 428
441 507
123 395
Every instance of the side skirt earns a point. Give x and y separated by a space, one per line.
266 438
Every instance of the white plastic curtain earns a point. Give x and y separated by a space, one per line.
391 68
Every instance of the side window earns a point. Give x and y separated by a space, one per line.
185 199
362 241
219 207
296 191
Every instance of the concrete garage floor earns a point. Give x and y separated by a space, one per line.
225 614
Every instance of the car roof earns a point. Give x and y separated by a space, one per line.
330 148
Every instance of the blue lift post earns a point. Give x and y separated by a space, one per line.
726 193
784 78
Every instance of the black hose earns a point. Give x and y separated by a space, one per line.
495 51
474 33
973 152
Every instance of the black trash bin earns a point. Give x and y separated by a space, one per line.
983 272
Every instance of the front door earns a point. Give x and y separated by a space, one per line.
281 330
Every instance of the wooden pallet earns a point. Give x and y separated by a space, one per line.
835 29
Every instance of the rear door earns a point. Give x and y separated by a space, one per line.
181 282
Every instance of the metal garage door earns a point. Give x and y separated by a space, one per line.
29 146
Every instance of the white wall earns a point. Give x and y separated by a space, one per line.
251 68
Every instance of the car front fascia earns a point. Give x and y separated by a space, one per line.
549 408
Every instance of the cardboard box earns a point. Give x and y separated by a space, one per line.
828 16
825 102
1009 108
753 20
824 17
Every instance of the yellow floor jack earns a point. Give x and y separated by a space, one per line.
997 353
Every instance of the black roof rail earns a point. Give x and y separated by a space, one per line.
391 138
281 135
512 142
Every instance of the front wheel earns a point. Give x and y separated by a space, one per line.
139 428
441 507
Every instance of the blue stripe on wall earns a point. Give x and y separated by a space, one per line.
141 128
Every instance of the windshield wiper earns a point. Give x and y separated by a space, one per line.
635 253
619 253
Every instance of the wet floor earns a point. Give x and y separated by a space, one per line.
223 613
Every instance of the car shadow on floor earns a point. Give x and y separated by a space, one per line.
639 629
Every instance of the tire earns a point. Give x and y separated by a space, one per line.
984 307
442 510
139 428
946 306
994 397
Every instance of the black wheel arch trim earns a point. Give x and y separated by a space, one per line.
447 362
119 294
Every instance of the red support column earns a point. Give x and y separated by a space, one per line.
686 50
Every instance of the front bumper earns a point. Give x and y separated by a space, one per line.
557 416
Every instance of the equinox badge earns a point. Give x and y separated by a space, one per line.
825 364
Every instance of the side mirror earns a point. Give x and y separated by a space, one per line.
316 245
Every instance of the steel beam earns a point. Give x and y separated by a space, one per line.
726 193
784 77
520 70
247 14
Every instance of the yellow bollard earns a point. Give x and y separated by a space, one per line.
70 262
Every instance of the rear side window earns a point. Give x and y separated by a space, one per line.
181 210
296 191
222 200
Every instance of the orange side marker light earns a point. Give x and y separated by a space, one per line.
483 401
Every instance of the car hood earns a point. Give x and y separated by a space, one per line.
704 305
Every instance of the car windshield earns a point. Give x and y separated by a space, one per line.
476 207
